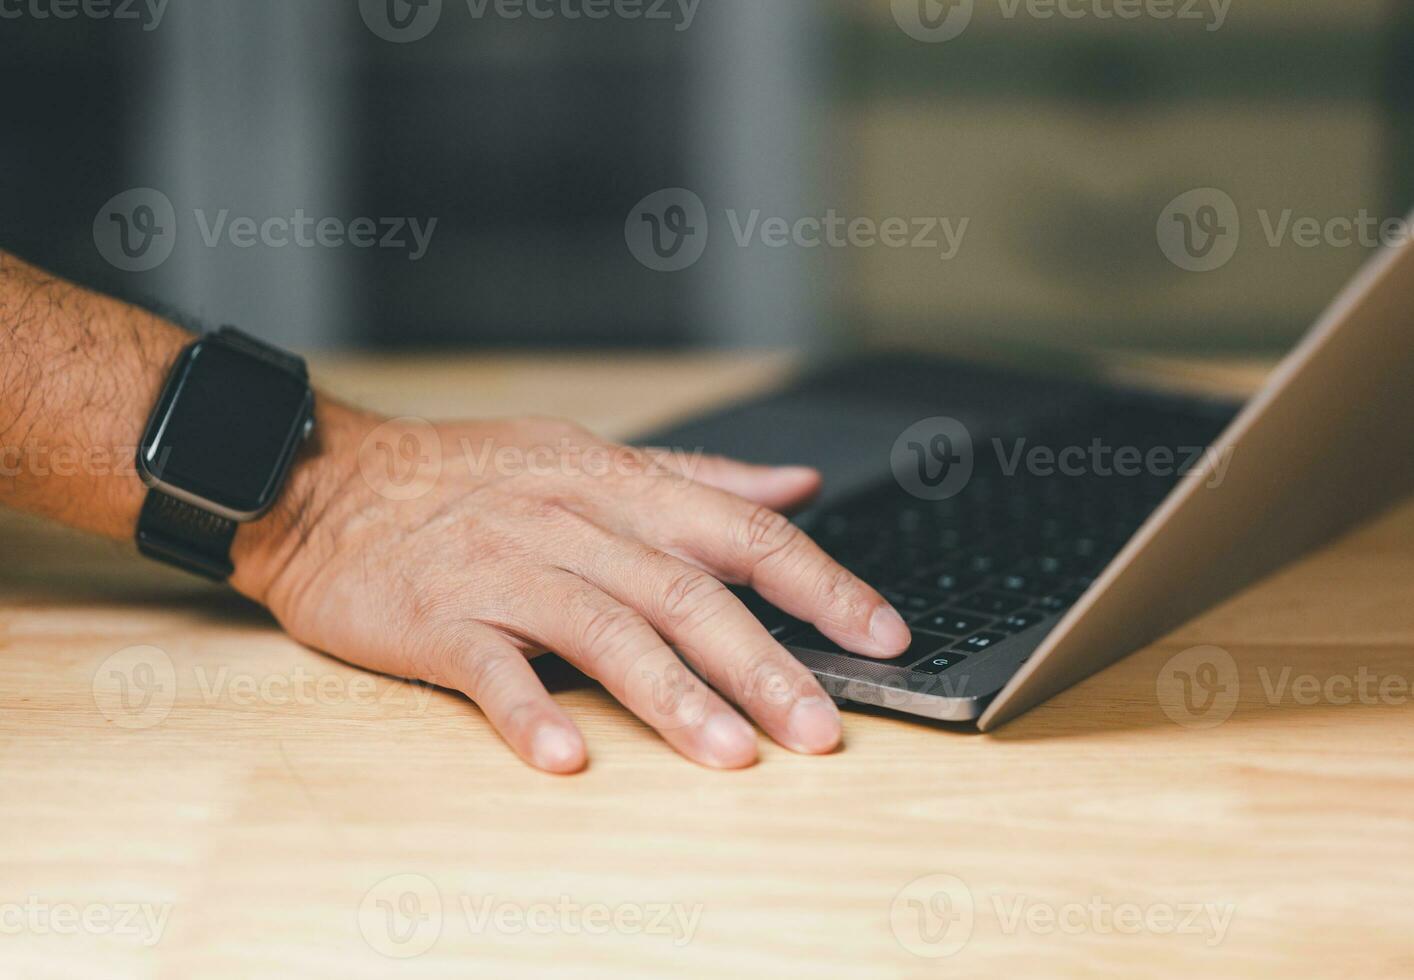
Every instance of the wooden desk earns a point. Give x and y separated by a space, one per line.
282 814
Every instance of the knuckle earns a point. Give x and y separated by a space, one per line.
770 680
765 533
688 597
839 590
521 717
488 674
547 510
443 654
605 629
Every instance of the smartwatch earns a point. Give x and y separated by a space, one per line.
218 448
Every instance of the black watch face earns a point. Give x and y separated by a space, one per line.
226 429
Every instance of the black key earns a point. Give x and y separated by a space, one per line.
777 623
952 623
1026 584
913 601
996 603
1018 622
1058 602
924 644
950 583
983 564
978 642
940 663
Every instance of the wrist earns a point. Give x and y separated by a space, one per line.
320 478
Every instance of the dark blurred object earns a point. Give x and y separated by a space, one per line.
530 140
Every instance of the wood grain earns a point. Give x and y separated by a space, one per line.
265 793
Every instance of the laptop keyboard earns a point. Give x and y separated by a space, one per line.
1013 548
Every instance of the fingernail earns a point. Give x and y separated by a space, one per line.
555 749
728 742
888 630
814 725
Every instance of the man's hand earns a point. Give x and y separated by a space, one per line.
532 535
528 536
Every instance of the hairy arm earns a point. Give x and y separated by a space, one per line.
79 374
521 540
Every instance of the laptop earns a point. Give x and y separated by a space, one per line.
1035 528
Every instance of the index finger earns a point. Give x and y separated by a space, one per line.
749 544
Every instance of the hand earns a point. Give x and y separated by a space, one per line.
454 553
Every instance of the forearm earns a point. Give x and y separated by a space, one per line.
81 373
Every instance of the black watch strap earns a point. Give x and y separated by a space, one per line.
193 539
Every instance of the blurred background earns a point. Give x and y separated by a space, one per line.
531 140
